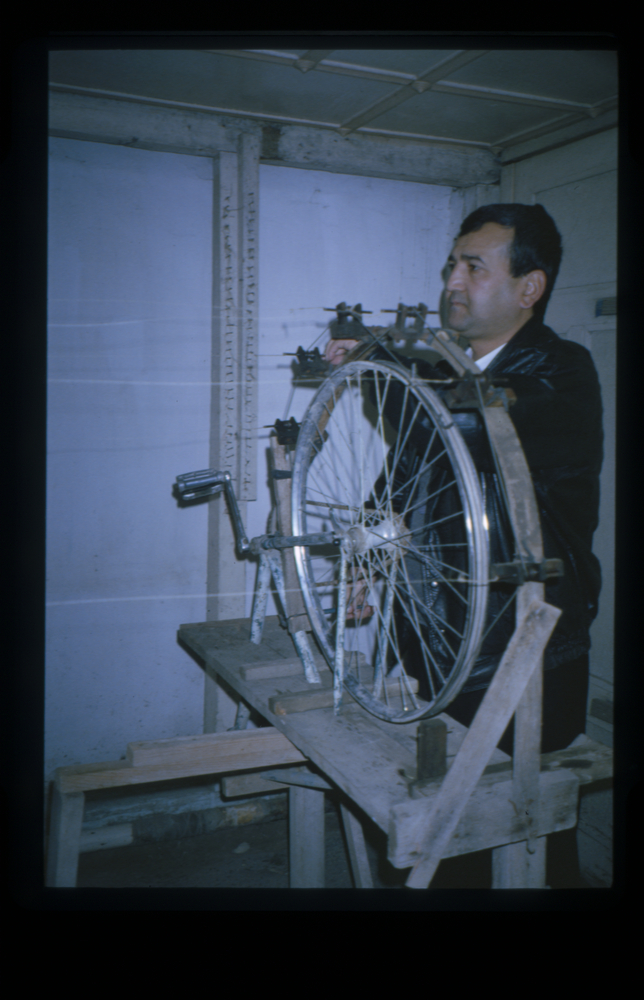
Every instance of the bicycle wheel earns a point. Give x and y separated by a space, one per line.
382 468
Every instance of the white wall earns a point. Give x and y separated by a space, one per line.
129 400
326 238
130 281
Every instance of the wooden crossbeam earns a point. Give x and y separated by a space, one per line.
183 756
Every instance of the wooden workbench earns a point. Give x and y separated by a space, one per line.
373 761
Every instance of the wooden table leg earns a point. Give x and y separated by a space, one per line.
513 867
357 850
306 837
64 838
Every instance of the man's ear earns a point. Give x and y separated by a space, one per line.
534 285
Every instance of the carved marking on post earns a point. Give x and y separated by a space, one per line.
229 421
248 395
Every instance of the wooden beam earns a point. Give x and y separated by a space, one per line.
306 838
497 708
65 830
160 126
216 748
306 701
489 819
187 756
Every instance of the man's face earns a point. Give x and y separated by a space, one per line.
483 299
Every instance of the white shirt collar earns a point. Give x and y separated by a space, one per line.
483 362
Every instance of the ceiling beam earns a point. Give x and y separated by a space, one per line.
181 129
564 131
311 58
325 65
425 81
418 84
560 121
508 96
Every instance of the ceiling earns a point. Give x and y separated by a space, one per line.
490 99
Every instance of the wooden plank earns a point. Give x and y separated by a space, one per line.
103 765
64 838
241 749
357 849
272 668
249 784
226 644
306 701
590 761
306 838
365 762
163 760
489 819
366 758
497 708
298 776
524 867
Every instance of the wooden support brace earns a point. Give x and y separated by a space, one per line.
64 839
354 833
306 837
520 659
522 865
514 867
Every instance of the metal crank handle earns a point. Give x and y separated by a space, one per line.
209 482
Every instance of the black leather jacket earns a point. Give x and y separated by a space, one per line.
558 418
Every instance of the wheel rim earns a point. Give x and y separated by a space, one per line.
407 503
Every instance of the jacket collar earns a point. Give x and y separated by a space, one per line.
534 338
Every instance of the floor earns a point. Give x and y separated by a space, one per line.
256 856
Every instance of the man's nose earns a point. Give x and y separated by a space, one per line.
455 279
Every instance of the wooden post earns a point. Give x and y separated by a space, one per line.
520 659
357 849
233 407
306 837
523 865
64 838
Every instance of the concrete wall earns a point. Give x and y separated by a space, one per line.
129 361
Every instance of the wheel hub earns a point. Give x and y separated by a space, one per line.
387 534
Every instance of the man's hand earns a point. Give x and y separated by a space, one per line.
336 350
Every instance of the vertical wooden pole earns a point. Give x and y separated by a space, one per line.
233 408
64 838
523 864
357 850
306 837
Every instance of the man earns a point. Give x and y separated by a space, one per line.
500 275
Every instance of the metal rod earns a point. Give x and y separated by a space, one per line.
338 676
302 645
260 600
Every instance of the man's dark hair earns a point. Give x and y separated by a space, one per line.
536 245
